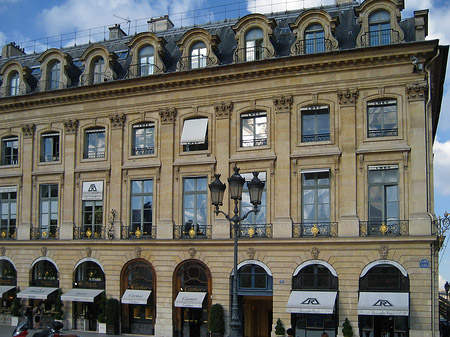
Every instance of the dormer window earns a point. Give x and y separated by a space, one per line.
198 55
54 74
314 39
254 45
380 28
14 79
146 60
98 71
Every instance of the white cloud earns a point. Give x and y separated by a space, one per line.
441 282
269 6
441 166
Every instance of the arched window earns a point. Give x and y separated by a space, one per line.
54 74
254 44
198 55
146 60
253 279
45 274
315 277
314 39
89 275
380 28
14 83
384 277
98 70
8 273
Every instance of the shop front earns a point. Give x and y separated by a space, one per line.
192 286
8 281
138 298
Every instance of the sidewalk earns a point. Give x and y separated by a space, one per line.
6 331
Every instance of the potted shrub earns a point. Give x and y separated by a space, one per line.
112 316
347 330
216 320
102 314
279 328
59 313
16 308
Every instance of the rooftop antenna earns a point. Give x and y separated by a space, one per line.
127 20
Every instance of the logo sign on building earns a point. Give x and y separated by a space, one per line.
424 263
92 190
311 301
382 303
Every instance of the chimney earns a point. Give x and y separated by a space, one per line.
11 50
160 24
116 32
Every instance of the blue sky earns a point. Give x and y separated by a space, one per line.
24 21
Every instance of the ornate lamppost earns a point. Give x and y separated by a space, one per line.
255 189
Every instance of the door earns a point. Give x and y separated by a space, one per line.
257 316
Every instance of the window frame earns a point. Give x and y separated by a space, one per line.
147 59
8 205
196 53
195 146
314 44
94 226
254 142
53 154
316 111
383 105
146 228
53 215
14 83
54 75
196 209
252 219
13 157
378 36
146 150
254 45
98 67
315 188
98 154
384 195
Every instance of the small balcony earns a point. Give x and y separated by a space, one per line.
192 231
313 46
381 37
317 229
142 70
89 232
249 54
8 233
384 228
138 232
391 132
253 231
44 233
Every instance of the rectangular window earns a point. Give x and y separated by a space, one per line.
316 196
195 205
383 194
8 204
253 50
48 210
92 218
195 135
10 151
94 144
315 124
260 217
253 129
382 118
142 207
143 139
50 147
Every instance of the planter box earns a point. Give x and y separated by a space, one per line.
14 320
101 327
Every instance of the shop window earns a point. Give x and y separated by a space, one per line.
254 45
380 28
143 139
253 129
198 55
146 60
45 274
8 273
314 277
314 39
54 75
94 143
14 80
195 135
10 150
383 195
142 207
8 204
382 118
384 277
315 124
195 205
89 275
49 147
316 197
98 71
48 211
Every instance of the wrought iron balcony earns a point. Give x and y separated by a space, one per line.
253 142
392 132
136 232
94 154
89 232
316 229
197 62
142 70
8 233
316 138
49 233
252 54
381 37
384 228
140 151
253 231
192 231
313 46
49 85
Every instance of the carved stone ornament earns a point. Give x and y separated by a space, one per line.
71 125
283 103
117 121
251 253
137 252
3 250
168 115
192 252
384 250
348 97
223 110
315 253
44 251
28 130
88 251
417 92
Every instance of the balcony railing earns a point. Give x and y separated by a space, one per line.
192 231
392 132
142 70
253 142
134 232
252 54
379 38
384 228
94 154
313 46
50 85
253 231
202 61
8 233
326 229
89 232
315 138
140 151
38 233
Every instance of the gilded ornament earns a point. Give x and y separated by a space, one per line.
383 228
251 232
138 233
89 233
192 232
315 230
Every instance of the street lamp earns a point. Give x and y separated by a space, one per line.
217 189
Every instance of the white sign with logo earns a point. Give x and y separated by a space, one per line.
92 190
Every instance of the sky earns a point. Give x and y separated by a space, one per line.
39 24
